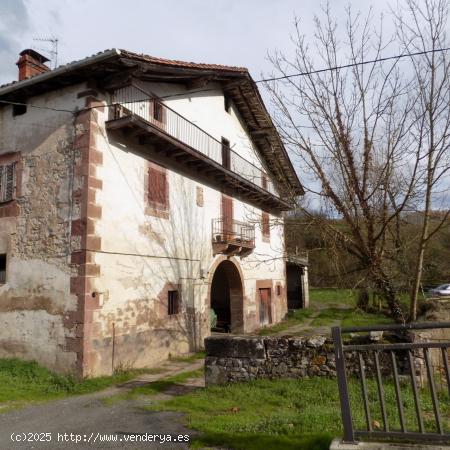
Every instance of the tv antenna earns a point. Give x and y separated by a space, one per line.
54 51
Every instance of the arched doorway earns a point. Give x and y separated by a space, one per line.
227 299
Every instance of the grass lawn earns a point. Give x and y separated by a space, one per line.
328 307
24 381
300 316
286 414
348 317
332 297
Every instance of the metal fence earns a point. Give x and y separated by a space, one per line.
134 100
411 351
233 232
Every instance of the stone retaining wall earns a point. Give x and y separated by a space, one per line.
230 359
241 358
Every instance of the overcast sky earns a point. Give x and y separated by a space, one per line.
235 32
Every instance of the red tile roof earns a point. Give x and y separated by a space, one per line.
184 64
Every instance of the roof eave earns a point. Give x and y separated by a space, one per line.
8 89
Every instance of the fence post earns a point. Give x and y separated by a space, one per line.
346 413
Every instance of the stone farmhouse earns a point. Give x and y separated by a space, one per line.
141 207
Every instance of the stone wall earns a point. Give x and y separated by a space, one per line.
238 358
230 359
35 299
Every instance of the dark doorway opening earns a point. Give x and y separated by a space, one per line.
265 307
295 286
227 299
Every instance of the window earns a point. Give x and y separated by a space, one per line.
227 103
7 182
2 268
278 289
173 303
157 112
19 110
226 154
157 187
265 225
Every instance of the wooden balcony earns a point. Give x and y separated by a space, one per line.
231 237
181 144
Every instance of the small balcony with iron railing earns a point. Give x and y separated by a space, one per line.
231 237
180 143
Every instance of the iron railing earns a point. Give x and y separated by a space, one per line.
392 353
225 231
134 100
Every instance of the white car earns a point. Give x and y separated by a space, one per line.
440 291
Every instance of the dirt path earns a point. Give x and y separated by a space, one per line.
90 418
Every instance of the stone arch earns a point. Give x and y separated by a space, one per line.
226 294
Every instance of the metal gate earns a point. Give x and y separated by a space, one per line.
391 352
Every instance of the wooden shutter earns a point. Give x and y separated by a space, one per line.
157 186
265 224
227 209
158 112
227 216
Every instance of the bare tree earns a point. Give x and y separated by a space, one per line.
351 128
421 26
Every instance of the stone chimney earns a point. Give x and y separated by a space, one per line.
31 63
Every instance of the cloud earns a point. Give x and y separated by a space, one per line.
14 21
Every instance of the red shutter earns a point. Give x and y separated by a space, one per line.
162 191
227 209
157 186
227 216
265 224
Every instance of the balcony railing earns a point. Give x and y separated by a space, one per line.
134 100
233 232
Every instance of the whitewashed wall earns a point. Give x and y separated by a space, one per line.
141 253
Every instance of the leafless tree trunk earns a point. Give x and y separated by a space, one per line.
421 26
